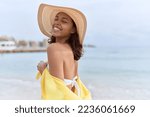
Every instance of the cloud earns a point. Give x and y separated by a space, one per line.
108 20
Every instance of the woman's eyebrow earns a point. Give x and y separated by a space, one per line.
65 18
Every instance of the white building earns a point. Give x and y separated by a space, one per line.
7 43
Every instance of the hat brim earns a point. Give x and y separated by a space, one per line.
47 13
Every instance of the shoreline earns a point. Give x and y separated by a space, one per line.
31 49
23 50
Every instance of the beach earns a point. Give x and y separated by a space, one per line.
108 72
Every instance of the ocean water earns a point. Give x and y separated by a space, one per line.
108 72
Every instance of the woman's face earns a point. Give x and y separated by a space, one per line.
62 26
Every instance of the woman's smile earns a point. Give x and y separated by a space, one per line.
57 28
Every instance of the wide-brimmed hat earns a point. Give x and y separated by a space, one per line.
47 13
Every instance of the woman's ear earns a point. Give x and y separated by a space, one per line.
73 30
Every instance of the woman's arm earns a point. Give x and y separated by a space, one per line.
55 61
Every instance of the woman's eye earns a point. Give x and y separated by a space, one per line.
64 21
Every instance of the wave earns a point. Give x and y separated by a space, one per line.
19 89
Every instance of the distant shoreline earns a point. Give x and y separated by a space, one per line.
23 50
31 49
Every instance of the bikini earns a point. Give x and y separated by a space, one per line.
73 83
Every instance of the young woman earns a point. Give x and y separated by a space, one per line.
66 28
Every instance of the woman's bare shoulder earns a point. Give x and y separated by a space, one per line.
53 47
54 51
59 52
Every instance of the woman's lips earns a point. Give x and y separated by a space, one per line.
56 29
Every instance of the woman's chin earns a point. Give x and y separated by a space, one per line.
56 35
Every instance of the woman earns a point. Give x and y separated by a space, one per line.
66 27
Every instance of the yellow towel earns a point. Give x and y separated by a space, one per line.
53 88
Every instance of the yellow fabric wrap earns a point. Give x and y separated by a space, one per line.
53 88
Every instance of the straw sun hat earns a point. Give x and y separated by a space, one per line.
47 13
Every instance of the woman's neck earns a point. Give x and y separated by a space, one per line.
61 40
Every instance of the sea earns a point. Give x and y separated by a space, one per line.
110 73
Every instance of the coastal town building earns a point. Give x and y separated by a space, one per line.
10 44
7 43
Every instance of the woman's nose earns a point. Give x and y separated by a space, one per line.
57 22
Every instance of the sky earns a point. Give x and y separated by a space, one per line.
110 22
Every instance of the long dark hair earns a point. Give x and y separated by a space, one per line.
74 43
